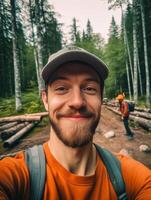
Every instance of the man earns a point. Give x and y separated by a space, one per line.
125 115
74 81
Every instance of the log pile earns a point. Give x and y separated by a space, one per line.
140 116
15 127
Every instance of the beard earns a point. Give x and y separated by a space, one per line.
79 134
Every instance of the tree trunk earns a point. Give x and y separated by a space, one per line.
139 71
145 55
39 44
135 82
16 59
128 52
128 80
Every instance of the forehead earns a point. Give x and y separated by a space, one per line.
75 68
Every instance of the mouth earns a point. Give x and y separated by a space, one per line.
76 117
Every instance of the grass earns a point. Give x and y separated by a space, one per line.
31 103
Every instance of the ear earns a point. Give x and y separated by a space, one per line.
44 99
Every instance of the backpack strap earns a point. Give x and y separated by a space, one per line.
113 167
35 160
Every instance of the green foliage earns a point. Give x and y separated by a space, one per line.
114 56
51 36
30 100
90 41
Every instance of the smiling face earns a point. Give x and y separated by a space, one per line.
73 101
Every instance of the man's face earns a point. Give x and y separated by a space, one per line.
73 101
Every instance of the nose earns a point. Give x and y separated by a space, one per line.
77 99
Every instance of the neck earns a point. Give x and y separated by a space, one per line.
80 161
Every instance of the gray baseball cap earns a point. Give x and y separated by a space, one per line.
70 54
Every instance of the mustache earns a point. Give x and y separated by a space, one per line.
68 113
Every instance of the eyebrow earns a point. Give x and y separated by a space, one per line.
65 78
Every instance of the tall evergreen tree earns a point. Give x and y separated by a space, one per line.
75 33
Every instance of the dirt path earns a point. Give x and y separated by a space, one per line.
109 121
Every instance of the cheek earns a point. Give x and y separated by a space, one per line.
55 103
95 103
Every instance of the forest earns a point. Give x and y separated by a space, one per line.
30 32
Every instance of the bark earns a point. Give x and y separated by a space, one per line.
145 56
128 80
20 118
38 38
141 114
12 140
135 54
145 123
34 45
139 75
16 59
129 56
147 110
42 114
8 133
7 126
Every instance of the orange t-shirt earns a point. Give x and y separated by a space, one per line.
62 184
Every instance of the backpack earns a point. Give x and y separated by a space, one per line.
35 159
131 106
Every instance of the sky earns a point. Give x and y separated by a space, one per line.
94 10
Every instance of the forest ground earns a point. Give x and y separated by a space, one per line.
109 121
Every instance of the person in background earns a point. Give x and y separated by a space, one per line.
125 115
74 80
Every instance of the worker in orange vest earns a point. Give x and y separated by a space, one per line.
125 115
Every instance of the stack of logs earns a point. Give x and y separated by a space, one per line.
14 128
140 116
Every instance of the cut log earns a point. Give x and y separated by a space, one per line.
9 132
145 115
20 118
143 109
145 123
7 126
42 114
12 140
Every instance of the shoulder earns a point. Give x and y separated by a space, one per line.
137 177
14 176
13 162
